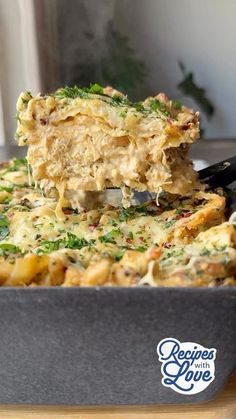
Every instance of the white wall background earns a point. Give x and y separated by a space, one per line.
19 68
11 64
202 34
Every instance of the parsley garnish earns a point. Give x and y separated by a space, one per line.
156 105
125 214
69 242
113 222
7 248
177 104
74 242
205 252
4 227
6 188
179 211
17 164
110 236
96 89
141 249
73 92
119 254
170 223
26 98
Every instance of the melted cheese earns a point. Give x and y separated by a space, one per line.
146 245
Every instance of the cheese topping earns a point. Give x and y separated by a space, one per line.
182 241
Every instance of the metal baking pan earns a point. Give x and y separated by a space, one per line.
108 346
98 346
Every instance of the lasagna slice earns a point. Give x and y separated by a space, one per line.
90 139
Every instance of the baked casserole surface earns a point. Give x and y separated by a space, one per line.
183 241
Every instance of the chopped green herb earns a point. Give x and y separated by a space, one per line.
96 89
70 242
6 249
125 214
123 113
4 227
179 211
205 252
18 116
110 236
120 100
141 231
17 164
48 246
156 105
7 200
177 104
170 223
222 248
130 235
26 98
119 254
73 92
139 107
74 242
113 222
6 188
141 249
176 253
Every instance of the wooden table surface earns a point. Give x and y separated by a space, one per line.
223 407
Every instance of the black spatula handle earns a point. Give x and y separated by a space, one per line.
219 174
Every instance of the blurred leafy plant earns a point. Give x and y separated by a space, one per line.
120 67
188 87
117 66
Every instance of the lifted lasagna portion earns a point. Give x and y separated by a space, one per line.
90 139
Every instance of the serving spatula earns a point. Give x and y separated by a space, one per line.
219 174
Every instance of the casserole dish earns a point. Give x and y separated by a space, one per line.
109 345
97 346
